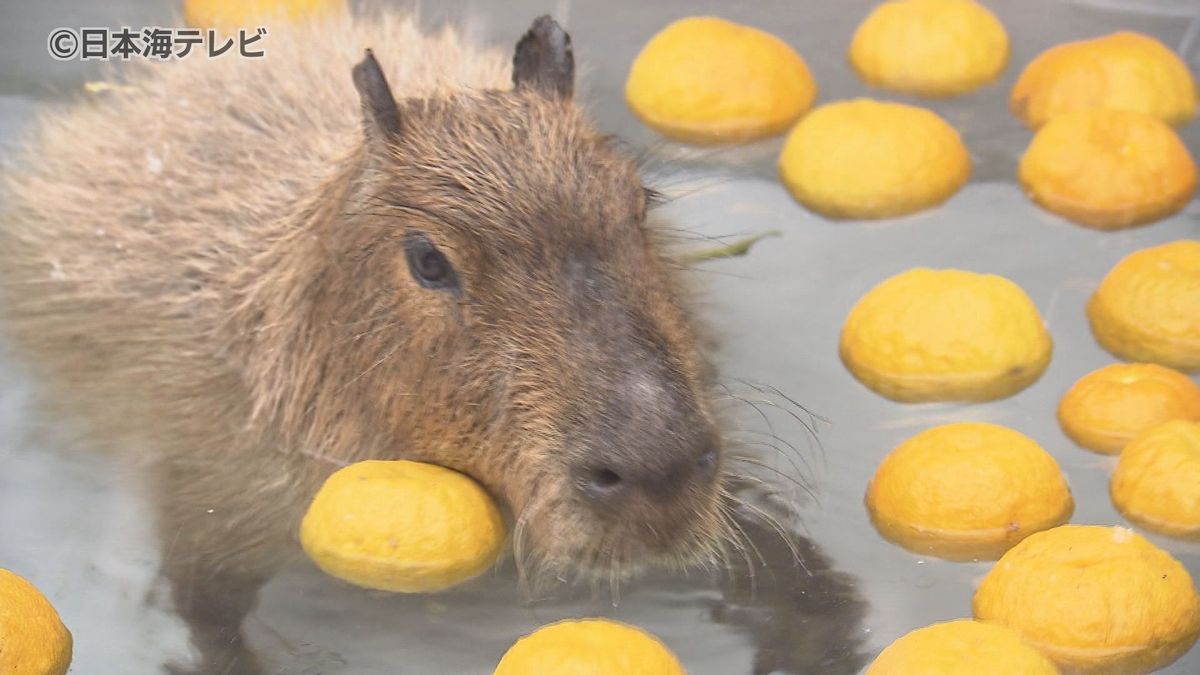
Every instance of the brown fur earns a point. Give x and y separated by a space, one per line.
211 265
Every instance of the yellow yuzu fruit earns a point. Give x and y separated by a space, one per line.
1108 169
706 80
967 491
1093 599
237 14
1157 480
1148 306
402 526
930 47
962 647
1108 407
589 647
872 159
33 639
1121 71
945 335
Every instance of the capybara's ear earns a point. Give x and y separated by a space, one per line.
543 60
380 113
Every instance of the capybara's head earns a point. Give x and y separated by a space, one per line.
492 299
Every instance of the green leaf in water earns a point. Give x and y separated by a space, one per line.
737 248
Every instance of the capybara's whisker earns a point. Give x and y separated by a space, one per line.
767 389
776 443
799 484
778 528
740 541
732 517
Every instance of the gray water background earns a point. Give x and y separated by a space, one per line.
78 527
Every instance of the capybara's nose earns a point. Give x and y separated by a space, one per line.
651 470
643 433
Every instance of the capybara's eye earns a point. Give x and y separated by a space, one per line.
428 265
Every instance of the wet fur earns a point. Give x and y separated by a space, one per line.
210 267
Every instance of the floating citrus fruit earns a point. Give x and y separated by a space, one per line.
962 647
707 80
967 491
931 47
589 647
402 526
238 14
871 159
33 640
1107 408
1108 169
1148 307
1121 71
1094 599
945 335
1157 480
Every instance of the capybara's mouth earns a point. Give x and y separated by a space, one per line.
559 538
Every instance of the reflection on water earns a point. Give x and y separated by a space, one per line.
76 522
801 613
767 613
